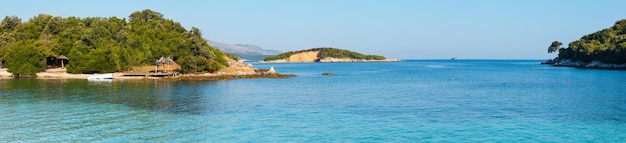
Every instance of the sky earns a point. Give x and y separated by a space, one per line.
403 29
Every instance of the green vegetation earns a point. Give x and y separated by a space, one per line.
251 56
554 46
607 46
329 52
101 45
282 55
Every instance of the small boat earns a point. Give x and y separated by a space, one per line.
454 58
101 77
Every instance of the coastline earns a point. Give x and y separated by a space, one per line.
4 73
59 73
587 65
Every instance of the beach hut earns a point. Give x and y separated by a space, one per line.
165 60
168 64
63 59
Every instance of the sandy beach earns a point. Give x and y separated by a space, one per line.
60 73
4 73
237 69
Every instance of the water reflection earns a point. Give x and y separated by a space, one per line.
158 95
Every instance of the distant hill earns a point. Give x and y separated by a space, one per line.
249 52
326 54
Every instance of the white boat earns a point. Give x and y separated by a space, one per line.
101 77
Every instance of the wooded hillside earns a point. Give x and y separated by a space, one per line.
607 46
101 45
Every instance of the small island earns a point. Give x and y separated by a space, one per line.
326 54
604 49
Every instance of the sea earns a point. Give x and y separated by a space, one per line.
410 101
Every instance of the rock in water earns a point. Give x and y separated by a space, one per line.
271 71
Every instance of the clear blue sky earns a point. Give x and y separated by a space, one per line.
406 29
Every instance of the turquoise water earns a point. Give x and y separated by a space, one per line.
412 101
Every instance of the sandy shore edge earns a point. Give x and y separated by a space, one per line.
237 69
4 73
61 74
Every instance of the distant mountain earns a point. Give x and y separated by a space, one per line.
249 52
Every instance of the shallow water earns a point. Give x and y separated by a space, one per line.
412 101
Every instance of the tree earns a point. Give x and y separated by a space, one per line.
25 59
10 22
145 15
555 46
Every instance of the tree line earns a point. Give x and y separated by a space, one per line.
607 46
102 45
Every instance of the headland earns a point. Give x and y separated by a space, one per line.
325 55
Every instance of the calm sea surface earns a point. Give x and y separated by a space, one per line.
412 101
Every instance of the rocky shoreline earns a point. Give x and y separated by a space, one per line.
589 65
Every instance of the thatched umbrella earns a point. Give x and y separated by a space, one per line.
61 57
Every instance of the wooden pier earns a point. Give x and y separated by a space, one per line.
151 74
